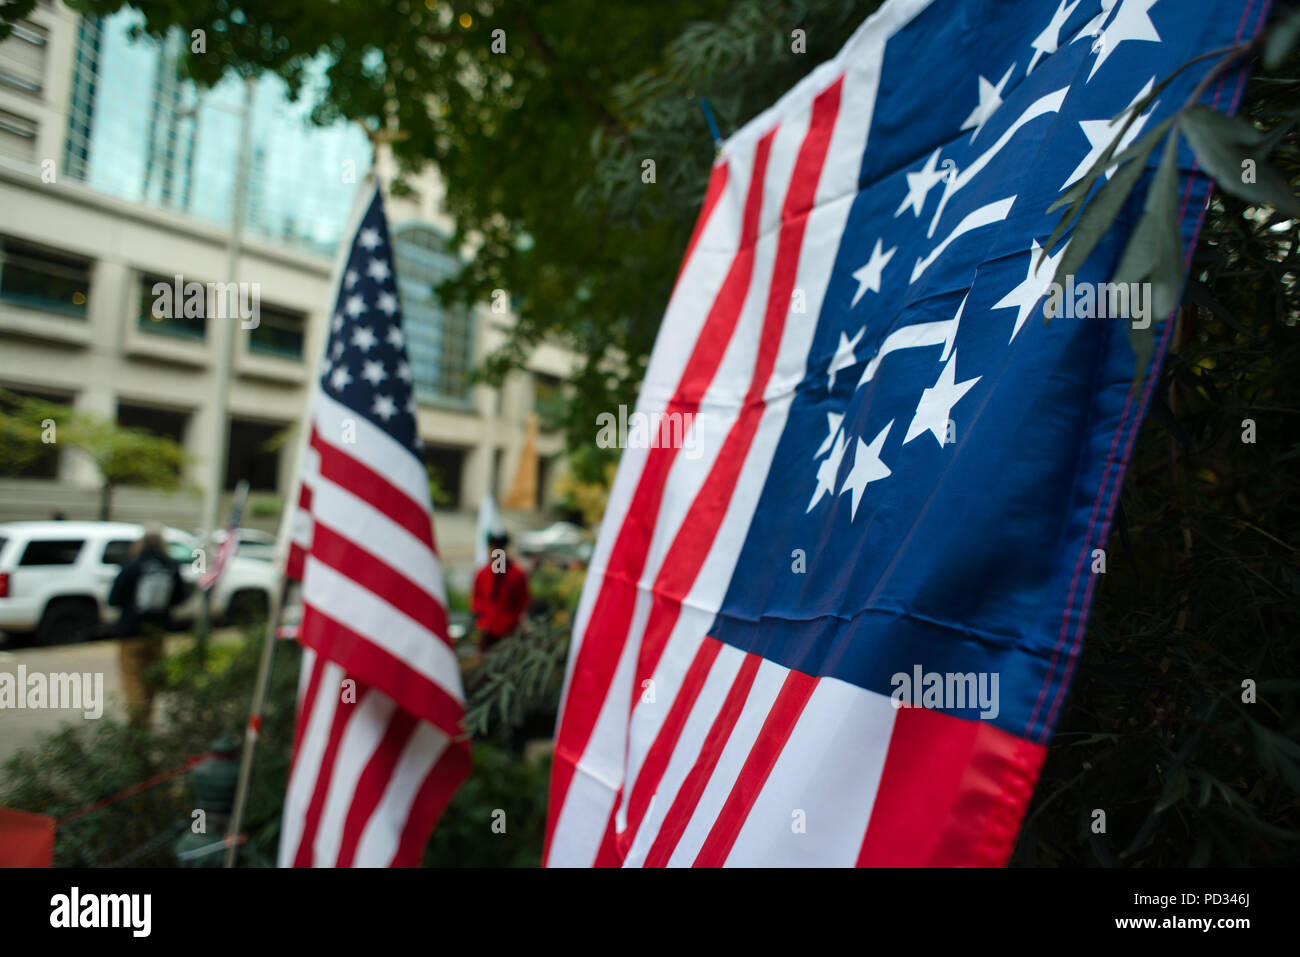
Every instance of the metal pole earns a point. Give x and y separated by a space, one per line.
225 343
254 729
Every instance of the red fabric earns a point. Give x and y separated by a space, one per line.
26 840
952 793
498 615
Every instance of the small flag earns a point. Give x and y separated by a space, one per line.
230 543
380 704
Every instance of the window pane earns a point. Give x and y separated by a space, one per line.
116 553
164 312
39 279
58 552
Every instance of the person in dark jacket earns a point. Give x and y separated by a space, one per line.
500 594
147 588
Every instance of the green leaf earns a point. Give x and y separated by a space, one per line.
1281 40
1098 215
1224 145
1153 255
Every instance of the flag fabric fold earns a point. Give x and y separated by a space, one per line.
841 629
376 757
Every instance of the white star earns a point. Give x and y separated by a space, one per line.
1093 26
867 468
935 407
1046 42
990 100
919 185
404 372
868 276
844 356
355 306
351 278
363 338
337 324
369 238
1101 133
411 408
373 372
387 303
338 348
1027 295
833 420
395 337
1131 23
340 379
378 270
384 407
828 471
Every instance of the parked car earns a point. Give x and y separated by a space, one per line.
55 577
559 540
253 543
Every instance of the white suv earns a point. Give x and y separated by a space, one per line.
55 578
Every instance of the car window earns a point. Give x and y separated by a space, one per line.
59 551
180 552
117 553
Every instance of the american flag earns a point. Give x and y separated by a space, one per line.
900 473
380 704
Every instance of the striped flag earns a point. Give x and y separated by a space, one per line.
375 760
835 624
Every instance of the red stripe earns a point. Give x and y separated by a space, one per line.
431 800
787 708
373 781
611 613
372 488
378 577
294 565
377 667
665 742
695 536
717 186
688 796
305 705
343 711
952 793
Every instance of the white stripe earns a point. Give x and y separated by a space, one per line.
829 772
383 832
696 727
386 627
311 750
758 705
370 529
374 447
365 729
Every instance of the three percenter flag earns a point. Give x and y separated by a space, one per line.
380 704
841 630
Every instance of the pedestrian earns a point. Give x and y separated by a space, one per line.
500 593
147 588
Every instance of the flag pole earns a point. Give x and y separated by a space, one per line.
261 685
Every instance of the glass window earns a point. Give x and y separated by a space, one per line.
52 552
279 332
438 339
162 310
38 278
117 553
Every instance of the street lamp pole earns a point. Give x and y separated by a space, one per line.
224 331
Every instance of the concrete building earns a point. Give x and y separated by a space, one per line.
116 175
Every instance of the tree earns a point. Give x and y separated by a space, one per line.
29 426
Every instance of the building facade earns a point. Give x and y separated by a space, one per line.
116 176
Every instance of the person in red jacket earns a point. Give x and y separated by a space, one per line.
500 594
